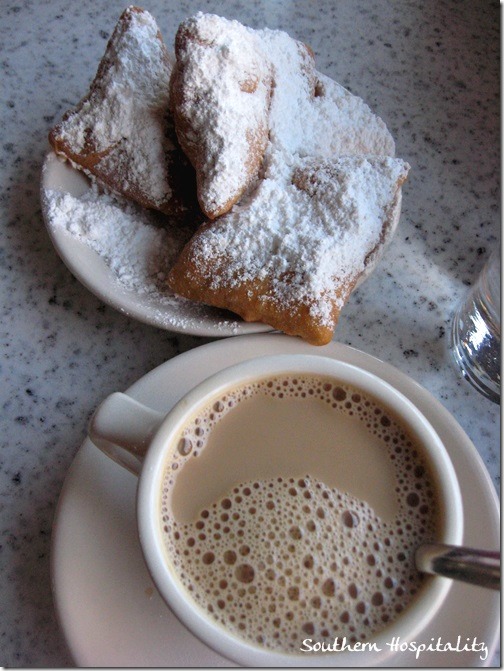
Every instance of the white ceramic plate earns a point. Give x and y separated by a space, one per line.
108 607
160 308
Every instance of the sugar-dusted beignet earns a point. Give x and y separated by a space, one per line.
221 91
291 253
238 93
122 132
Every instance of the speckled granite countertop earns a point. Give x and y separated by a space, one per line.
431 70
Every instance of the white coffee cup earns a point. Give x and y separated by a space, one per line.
142 440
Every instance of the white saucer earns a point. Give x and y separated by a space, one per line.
109 610
164 311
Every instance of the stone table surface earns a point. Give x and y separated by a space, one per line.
430 70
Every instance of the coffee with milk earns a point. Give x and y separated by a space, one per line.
291 509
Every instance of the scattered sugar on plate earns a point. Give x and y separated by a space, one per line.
137 245
130 241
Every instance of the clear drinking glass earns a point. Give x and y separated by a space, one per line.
476 331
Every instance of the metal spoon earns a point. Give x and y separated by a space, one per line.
478 567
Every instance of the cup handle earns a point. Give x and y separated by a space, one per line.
122 428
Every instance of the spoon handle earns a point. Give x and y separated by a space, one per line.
478 567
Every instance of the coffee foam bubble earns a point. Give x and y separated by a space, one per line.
283 559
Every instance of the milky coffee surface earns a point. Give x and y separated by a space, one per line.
291 509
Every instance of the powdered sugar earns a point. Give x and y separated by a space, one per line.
138 247
312 115
129 239
137 252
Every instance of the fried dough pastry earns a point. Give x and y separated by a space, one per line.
238 92
122 132
290 254
220 96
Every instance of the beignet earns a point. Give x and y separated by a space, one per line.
122 132
221 91
290 254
